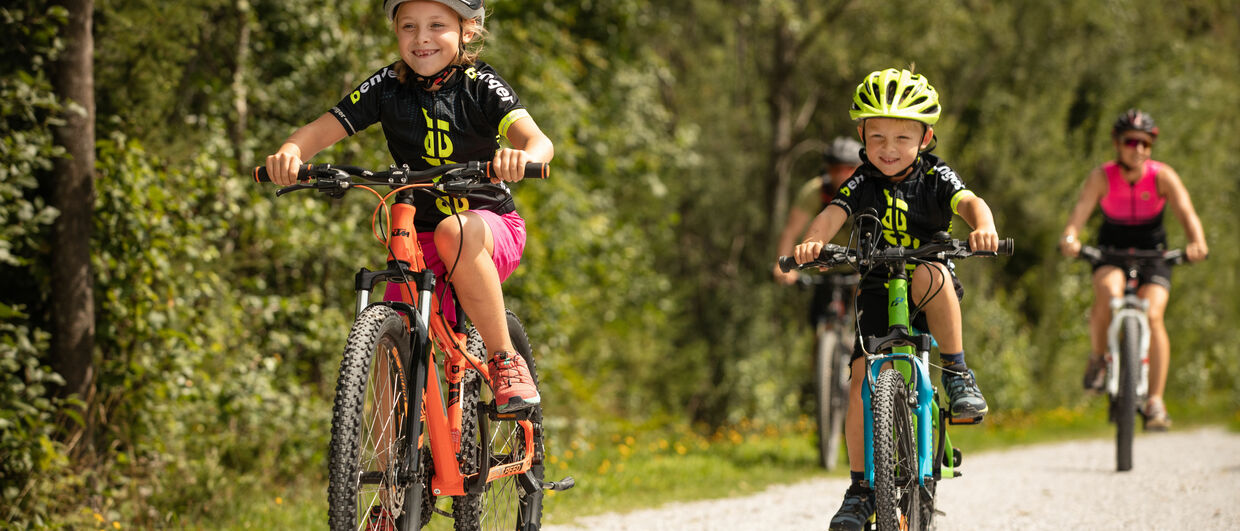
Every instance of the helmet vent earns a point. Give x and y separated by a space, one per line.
891 92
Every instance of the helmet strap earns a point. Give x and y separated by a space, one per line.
429 82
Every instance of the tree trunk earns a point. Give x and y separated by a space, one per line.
73 194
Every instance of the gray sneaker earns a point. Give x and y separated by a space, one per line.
966 398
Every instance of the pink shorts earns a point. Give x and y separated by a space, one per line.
508 233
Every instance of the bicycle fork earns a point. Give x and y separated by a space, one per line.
1129 306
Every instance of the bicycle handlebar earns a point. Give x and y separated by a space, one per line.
468 173
833 255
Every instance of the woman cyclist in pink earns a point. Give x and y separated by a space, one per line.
1133 191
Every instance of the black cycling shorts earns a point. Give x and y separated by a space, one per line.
872 305
1150 272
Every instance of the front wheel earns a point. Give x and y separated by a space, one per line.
504 503
370 458
832 399
1124 404
896 486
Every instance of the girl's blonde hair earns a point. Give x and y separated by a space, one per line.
466 55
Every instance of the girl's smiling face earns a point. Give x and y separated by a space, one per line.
428 35
892 144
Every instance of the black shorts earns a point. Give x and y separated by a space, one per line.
872 308
1151 272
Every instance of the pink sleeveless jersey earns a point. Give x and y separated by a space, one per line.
1132 203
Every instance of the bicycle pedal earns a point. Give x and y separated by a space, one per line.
956 473
954 421
494 414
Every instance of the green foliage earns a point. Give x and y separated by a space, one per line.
645 284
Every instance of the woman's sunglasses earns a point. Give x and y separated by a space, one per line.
1134 142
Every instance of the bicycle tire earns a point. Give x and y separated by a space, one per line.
896 487
369 447
826 390
1126 399
503 503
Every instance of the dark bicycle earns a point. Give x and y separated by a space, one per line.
833 340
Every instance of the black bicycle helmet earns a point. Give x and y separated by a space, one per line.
1134 120
465 8
842 151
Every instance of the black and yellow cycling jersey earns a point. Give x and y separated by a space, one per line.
460 122
912 210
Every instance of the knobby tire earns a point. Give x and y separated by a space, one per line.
503 503
896 487
1126 401
369 456
830 400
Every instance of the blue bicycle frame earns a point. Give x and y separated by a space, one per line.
915 368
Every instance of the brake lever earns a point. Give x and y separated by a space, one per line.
295 187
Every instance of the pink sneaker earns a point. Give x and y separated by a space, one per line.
511 382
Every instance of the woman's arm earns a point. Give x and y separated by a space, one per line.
303 144
1172 188
1091 193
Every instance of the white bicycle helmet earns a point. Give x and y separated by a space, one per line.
466 8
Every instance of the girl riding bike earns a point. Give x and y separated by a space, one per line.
1133 191
438 105
916 194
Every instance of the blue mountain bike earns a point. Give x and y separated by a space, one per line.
907 450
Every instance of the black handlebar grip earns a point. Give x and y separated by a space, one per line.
788 263
533 170
1007 246
261 176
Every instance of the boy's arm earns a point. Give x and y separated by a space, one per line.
977 214
821 229
303 144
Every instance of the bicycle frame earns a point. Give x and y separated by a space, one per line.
915 368
1123 308
443 418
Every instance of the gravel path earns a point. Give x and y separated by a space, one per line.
1180 480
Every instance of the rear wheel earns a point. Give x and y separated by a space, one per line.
369 460
896 487
1125 404
504 503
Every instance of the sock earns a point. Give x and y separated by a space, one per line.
954 362
857 477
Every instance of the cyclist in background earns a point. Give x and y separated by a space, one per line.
916 195
840 160
1133 191
439 105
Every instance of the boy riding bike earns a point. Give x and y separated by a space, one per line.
1133 191
916 195
439 105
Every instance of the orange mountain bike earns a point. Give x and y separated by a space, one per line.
398 444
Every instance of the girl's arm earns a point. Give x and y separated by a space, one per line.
529 144
1091 193
1173 189
977 214
821 229
303 144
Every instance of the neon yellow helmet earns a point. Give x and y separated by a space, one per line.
895 93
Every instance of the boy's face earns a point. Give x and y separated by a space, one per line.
428 35
892 144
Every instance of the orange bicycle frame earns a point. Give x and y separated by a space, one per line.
443 420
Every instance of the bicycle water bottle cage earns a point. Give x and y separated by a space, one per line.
899 336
